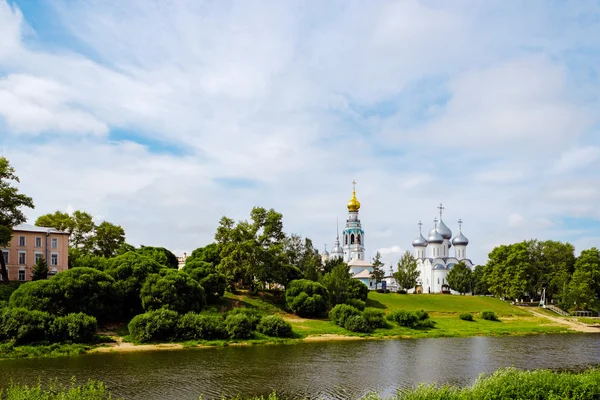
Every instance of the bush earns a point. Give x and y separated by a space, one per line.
402 291
410 319
193 326
24 326
274 325
214 286
159 325
489 315
238 326
306 298
357 323
375 318
466 316
358 304
340 313
175 291
383 290
85 290
77 328
357 290
253 314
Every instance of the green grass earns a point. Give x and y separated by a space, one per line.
54 391
10 351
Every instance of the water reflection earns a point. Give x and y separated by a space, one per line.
335 370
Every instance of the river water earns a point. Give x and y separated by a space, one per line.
328 370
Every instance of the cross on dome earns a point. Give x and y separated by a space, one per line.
420 226
435 221
441 208
460 222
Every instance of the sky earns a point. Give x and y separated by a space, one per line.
163 117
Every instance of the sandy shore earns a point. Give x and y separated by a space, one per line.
572 325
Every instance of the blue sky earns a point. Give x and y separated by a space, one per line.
164 116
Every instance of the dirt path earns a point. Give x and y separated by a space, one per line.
573 325
125 347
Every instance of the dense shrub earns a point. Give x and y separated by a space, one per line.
6 289
130 271
466 316
402 291
489 315
214 286
24 326
357 323
85 290
238 326
375 318
411 319
76 328
340 313
306 298
383 290
274 325
159 325
357 290
160 255
193 326
253 314
175 291
358 304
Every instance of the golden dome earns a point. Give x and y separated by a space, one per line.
353 204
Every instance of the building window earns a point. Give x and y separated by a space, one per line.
21 274
5 255
22 241
54 243
359 256
22 258
54 259
352 239
438 281
359 238
37 257
345 239
38 242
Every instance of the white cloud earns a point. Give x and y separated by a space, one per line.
297 100
515 219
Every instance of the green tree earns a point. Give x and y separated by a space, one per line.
337 283
584 287
301 254
210 253
407 274
459 278
80 225
332 263
160 255
479 284
510 272
11 203
253 251
306 298
378 273
175 290
40 270
552 265
108 239
58 220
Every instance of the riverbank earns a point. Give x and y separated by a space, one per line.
504 384
443 309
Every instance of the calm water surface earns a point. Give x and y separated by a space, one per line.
331 370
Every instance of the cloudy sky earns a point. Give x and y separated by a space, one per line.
164 116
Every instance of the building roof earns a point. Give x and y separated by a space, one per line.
359 263
365 273
37 229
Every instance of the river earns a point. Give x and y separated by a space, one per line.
328 370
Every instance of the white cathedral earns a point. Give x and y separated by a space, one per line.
432 254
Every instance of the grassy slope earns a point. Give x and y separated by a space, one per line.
444 310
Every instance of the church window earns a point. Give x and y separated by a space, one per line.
438 281
359 256
345 239
359 238
352 239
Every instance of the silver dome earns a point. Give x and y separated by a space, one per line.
337 249
435 237
444 230
420 241
325 253
460 240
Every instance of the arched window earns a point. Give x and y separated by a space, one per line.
345 239
352 239
358 238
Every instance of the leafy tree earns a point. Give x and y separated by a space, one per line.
210 253
407 274
332 263
40 270
378 273
76 290
175 291
509 272
160 255
214 286
109 238
337 283
58 220
130 271
584 287
357 290
302 255
306 298
11 203
552 265
253 251
478 281
459 278
80 225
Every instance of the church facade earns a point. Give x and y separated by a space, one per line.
352 246
434 258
